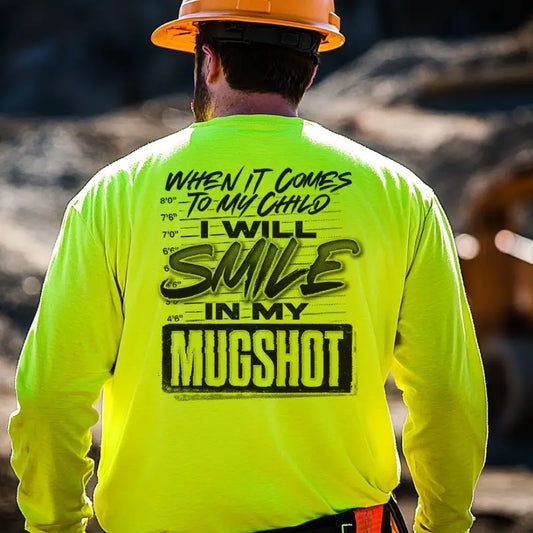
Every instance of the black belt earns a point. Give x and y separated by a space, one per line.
343 523
378 519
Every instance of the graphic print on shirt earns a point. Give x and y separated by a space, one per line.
254 287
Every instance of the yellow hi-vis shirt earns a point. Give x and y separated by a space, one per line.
242 289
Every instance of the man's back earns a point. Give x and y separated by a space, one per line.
257 277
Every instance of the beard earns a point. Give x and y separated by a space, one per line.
202 104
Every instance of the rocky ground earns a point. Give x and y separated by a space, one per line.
408 100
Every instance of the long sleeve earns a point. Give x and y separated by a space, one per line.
68 355
438 367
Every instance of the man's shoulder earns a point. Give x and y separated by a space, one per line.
122 173
350 148
154 152
377 166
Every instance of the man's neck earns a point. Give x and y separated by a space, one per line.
242 103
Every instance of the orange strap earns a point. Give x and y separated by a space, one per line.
369 520
376 519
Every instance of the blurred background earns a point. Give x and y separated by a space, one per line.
445 87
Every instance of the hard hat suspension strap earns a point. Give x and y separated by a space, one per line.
232 32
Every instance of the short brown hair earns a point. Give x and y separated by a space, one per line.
263 68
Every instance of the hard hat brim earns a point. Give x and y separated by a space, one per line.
181 34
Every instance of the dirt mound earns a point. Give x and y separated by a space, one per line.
79 57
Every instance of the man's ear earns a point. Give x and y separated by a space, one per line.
315 70
212 64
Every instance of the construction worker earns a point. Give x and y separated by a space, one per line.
241 290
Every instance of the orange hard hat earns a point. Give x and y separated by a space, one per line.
314 15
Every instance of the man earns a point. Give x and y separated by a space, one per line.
241 290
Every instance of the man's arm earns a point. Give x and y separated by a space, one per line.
438 367
68 355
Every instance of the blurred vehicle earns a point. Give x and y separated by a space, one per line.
497 261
